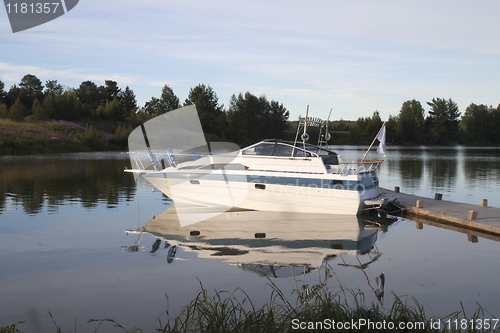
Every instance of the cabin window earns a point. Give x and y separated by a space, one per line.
283 150
330 159
260 186
301 153
263 149
276 149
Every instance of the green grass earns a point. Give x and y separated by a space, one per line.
59 136
225 312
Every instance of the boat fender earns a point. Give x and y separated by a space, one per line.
304 137
194 155
170 158
155 162
171 254
156 245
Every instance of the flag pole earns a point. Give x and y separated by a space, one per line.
373 141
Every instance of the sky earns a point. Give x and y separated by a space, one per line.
354 57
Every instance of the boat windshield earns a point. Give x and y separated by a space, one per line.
281 149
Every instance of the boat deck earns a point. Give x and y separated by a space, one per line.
449 212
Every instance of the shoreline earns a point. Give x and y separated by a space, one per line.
61 136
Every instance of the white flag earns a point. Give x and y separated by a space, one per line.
381 138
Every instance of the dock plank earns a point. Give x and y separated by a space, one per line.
449 212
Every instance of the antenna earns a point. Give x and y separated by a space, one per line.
305 136
305 125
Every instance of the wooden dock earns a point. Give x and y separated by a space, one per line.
470 216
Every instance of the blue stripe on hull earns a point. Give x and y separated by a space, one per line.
368 180
352 185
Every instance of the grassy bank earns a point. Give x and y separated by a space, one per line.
59 136
323 312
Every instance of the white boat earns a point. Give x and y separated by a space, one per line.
271 175
272 244
267 238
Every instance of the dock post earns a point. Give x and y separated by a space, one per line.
472 238
472 215
420 204
420 226
396 189
484 202
438 196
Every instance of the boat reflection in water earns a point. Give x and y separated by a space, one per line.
273 244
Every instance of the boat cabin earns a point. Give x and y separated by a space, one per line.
287 149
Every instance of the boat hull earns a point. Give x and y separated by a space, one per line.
288 196
266 238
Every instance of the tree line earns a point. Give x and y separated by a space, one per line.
33 101
443 123
30 100
248 118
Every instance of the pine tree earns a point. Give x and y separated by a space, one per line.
17 111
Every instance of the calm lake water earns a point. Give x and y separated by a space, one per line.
64 246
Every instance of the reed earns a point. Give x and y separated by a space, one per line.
226 312
223 312
9 329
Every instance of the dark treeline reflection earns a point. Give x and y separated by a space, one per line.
411 170
34 182
450 167
482 166
442 165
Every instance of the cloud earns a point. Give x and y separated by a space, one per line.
14 73
371 55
